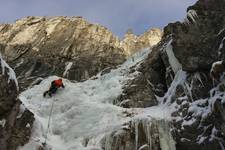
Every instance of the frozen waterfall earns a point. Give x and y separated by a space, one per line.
84 114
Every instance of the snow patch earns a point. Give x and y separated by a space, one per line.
21 111
27 125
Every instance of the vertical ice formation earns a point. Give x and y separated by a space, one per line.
174 63
6 69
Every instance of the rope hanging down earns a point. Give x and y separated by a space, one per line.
50 115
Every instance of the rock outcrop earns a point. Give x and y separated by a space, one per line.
15 122
65 46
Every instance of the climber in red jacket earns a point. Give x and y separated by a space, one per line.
54 87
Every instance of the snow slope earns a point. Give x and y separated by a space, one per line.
84 110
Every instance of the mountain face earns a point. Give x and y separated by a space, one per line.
64 46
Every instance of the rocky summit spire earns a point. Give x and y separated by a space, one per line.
132 43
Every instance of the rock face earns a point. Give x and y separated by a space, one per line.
150 83
198 41
198 102
63 46
14 129
132 43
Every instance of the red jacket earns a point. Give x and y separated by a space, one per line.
58 83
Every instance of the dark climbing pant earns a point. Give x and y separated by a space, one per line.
51 91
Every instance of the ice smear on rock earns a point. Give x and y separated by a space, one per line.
67 68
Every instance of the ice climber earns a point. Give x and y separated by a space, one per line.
54 87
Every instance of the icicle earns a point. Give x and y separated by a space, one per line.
192 15
108 142
11 73
221 46
149 135
136 124
179 79
143 147
198 77
174 63
165 137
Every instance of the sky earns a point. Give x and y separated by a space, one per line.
117 15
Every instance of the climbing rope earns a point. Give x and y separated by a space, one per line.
50 115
